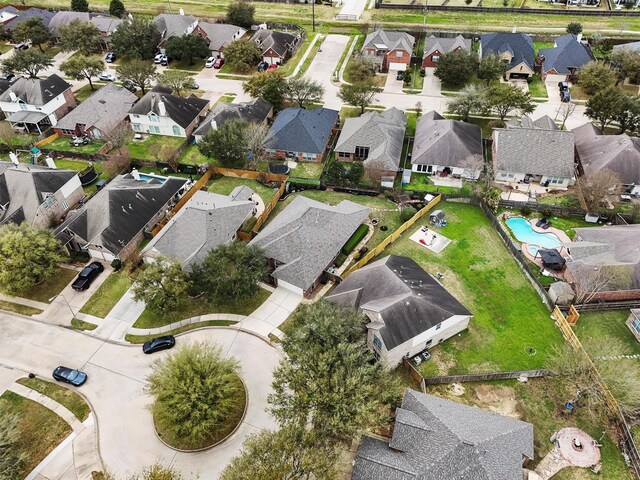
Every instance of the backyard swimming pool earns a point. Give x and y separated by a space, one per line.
524 232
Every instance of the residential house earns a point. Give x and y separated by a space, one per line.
35 194
256 111
407 309
218 35
65 17
35 104
173 25
436 439
374 138
305 239
276 47
107 25
8 13
534 155
631 46
301 135
633 322
447 147
23 15
100 114
604 263
112 224
543 123
618 153
206 221
515 49
160 112
436 47
389 49
563 61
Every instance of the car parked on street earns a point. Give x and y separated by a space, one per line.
218 63
110 58
87 276
272 67
70 375
159 343
107 77
209 62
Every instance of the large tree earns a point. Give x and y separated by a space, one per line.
230 272
176 80
10 138
27 62
28 255
82 36
471 101
34 29
574 28
596 76
226 144
11 460
240 13
242 55
139 72
270 86
504 98
491 68
290 453
187 47
594 187
626 64
629 115
136 38
116 8
605 106
303 91
80 5
329 379
359 94
80 67
456 68
162 285
360 68
196 390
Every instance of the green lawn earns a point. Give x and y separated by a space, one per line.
80 165
141 148
41 430
62 145
537 87
50 287
64 396
290 65
228 98
81 325
422 182
198 65
192 156
508 315
417 80
225 185
412 120
200 306
18 308
107 294
563 200
307 170
600 328
85 91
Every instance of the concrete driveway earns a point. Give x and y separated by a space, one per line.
116 389
432 84
391 84
273 312
324 64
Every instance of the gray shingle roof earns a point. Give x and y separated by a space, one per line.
567 52
382 132
183 111
518 44
169 25
632 46
409 300
204 222
36 91
450 143
65 17
544 123
299 130
534 151
23 188
105 109
438 439
256 111
279 42
106 25
219 34
391 39
46 16
445 44
115 215
306 236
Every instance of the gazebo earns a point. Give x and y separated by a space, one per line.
551 259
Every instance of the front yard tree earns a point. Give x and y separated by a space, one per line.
596 76
28 255
605 106
82 36
226 144
504 98
359 94
187 47
594 188
33 29
360 68
176 80
270 86
116 8
565 111
471 101
80 67
241 13
625 63
79 5
491 68
231 272
139 72
242 55
135 39
329 379
289 453
629 115
162 285
26 62
455 68
303 91
575 28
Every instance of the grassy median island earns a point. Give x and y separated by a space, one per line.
64 396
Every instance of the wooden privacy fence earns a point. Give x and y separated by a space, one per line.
47 140
268 208
393 237
250 174
481 377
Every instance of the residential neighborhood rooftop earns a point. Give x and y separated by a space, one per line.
161 101
35 91
255 111
566 56
300 130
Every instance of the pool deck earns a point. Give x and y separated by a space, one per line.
558 233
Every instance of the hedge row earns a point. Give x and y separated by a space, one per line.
358 235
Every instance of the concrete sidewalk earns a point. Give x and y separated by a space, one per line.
120 319
273 312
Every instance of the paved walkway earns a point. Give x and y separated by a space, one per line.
352 9
343 67
120 319
305 56
24 301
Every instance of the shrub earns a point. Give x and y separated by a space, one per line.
340 260
406 214
525 211
358 235
116 264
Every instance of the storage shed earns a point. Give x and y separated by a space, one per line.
436 218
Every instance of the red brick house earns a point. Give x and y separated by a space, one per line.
389 49
276 47
436 47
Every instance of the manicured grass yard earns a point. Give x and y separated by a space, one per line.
200 306
422 182
140 148
139 339
107 294
85 91
64 396
307 170
41 430
508 315
62 145
18 308
192 156
537 88
80 165
225 185
602 328
50 287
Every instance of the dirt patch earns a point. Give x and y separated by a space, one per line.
457 390
500 400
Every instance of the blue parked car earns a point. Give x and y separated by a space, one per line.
70 376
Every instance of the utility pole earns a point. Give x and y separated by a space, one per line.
313 15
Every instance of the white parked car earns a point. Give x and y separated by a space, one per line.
210 61
107 77
158 58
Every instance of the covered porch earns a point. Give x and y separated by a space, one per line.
29 122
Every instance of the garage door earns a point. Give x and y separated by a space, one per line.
101 255
271 60
394 67
555 78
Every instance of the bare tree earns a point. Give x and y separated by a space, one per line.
119 136
594 188
8 136
375 170
565 111
594 279
418 109
471 164
254 135
117 163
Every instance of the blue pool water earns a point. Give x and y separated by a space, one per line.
147 178
523 231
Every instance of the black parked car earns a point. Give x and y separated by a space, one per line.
87 275
70 376
159 343
110 58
